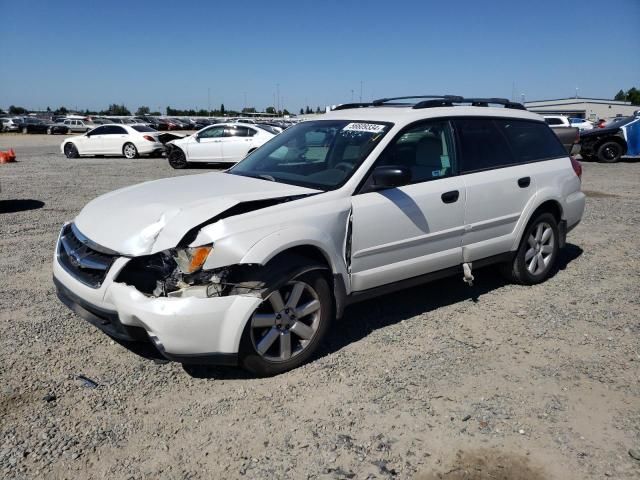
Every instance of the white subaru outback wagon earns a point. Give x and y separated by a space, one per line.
250 266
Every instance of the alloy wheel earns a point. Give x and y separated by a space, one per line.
539 254
130 150
284 324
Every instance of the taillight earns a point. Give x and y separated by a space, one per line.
577 167
149 137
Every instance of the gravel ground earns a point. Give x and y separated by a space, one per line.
441 381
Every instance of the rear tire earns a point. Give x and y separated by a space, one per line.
130 151
70 150
177 159
537 254
284 332
609 152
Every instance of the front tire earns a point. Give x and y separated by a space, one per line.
177 159
130 151
609 152
288 326
70 150
537 253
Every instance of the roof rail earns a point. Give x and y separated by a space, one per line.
430 101
346 106
475 102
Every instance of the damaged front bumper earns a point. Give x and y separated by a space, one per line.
183 329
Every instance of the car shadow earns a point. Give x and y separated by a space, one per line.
14 206
361 319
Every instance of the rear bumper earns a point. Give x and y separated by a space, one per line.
150 147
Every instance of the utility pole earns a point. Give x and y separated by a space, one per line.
245 100
360 91
278 102
209 100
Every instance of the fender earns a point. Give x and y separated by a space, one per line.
291 237
541 197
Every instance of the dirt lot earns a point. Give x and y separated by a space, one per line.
443 381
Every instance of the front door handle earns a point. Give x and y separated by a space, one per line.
524 182
450 197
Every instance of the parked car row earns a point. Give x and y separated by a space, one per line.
32 125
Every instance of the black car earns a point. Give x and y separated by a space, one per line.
32 125
620 136
35 125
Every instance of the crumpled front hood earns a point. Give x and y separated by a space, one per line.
154 216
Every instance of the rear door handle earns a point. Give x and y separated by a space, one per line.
524 182
450 197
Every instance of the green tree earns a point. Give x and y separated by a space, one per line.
318 110
249 110
270 110
308 110
143 111
115 109
633 96
222 109
285 112
61 111
301 111
620 96
13 110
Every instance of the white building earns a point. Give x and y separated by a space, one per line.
589 108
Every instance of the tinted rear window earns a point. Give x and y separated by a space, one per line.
554 121
142 128
531 140
482 145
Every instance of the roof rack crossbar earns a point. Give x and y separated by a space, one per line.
381 101
476 102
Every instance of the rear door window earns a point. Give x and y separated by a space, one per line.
531 140
482 145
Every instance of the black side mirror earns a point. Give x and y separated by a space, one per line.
390 176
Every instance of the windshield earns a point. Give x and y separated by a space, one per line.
320 154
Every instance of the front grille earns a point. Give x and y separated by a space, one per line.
80 257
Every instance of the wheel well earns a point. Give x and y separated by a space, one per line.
307 251
550 206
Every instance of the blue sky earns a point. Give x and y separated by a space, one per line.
89 54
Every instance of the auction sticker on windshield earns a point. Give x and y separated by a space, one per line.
364 127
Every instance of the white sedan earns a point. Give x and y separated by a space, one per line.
128 140
219 143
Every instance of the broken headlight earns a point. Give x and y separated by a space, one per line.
191 259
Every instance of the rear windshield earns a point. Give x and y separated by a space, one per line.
143 128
